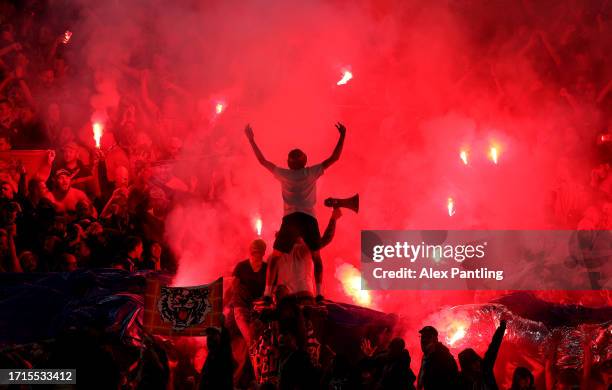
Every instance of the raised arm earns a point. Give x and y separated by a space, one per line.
44 172
338 149
102 173
491 354
330 230
260 157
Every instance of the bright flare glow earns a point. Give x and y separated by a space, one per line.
258 226
458 333
219 107
450 205
350 278
464 156
67 36
346 76
493 154
98 129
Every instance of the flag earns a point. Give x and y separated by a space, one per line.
182 311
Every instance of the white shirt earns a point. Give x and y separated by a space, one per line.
295 270
299 188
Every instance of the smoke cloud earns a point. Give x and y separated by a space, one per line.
429 79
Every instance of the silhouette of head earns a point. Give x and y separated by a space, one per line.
296 159
470 361
522 379
429 337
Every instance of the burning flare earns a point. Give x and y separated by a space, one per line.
219 107
493 154
258 226
346 76
67 36
458 331
350 278
450 205
464 156
98 129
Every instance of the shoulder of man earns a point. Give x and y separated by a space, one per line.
239 267
280 170
442 352
317 169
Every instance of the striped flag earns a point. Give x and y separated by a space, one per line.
182 311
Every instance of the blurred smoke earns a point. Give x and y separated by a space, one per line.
429 79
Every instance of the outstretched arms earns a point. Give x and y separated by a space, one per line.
270 166
260 157
338 149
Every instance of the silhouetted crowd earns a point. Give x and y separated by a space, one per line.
385 363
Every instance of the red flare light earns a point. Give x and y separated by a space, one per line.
464 156
98 129
350 278
450 205
494 154
67 36
258 226
219 108
346 76
457 331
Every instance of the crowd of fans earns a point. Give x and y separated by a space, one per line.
83 201
385 363
89 207
82 206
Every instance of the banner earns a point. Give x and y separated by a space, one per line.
182 311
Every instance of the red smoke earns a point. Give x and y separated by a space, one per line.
431 79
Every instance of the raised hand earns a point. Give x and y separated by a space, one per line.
99 155
341 128
336 213
367 348
248 130
338 149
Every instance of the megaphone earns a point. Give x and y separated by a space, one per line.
348 203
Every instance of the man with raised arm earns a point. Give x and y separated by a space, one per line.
298 185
